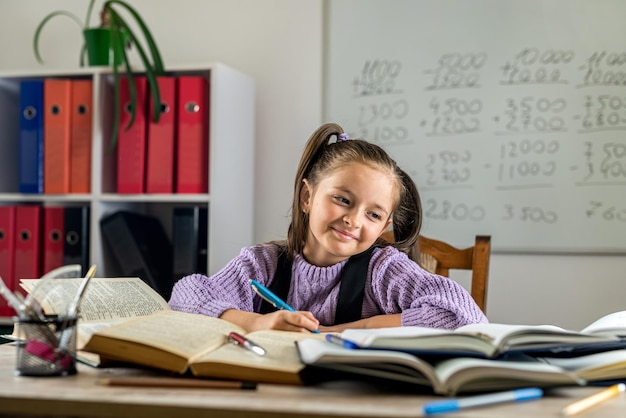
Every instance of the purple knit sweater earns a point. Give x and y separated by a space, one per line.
395 284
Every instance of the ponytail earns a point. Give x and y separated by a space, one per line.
315 147
407 218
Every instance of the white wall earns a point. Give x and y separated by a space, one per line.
279 43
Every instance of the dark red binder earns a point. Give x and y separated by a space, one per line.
192 135
27 242
52 237
131 146
7 257
160 150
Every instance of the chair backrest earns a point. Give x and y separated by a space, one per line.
446 258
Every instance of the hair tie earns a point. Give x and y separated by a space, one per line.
343 137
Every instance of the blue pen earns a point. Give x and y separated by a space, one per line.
450 405
269 296
332 338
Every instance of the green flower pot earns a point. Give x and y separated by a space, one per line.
100 49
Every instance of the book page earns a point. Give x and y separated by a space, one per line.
184 334
280 352
366 337
86 329
105 299
508 336
489 340
614 324
420 339
393 365
600 366
467 374
280 364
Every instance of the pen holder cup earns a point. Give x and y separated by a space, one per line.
46 347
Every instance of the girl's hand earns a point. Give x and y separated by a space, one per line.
379 321
302 321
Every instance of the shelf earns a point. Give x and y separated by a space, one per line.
230 162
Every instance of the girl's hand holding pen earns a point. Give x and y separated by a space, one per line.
300 321
289 319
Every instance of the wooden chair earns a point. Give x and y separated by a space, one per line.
440 257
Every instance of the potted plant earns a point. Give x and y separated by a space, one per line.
107 44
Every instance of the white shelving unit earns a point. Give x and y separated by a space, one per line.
231 161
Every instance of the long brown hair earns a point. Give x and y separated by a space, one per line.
324 153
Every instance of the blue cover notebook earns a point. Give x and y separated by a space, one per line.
31 136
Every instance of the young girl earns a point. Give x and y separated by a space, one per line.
333 269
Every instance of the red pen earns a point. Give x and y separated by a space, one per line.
242 341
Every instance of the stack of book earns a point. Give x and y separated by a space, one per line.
478 357
143 330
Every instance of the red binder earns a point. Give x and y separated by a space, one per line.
192 135
27 242
160 152
7 257
52 237
80 136
56 126
131 146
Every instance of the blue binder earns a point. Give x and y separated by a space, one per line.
31 137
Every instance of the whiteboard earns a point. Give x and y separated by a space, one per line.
509 115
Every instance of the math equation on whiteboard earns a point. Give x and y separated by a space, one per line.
513 140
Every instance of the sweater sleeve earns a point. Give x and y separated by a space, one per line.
227 289
424 299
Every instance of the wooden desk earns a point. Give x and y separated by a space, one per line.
80 396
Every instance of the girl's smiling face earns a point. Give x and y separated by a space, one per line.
348 210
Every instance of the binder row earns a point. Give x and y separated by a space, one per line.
170 156
55 124
35 239
141 248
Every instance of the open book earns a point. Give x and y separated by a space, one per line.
496 340
446 377
180 342
123 319
465 374
107 301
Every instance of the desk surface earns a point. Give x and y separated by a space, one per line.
81 396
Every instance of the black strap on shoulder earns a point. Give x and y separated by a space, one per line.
282 280
351 288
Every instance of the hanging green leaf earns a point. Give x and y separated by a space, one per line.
122 31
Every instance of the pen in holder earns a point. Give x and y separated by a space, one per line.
47 344
39 350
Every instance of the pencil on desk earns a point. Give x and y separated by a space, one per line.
174 382
593 400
